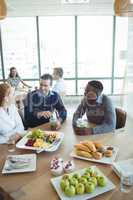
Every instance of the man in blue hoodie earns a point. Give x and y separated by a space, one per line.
40 104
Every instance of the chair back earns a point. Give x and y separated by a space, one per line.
121 116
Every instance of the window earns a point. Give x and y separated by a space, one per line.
95 46
119 85
106 84
0 69
57 44
81 45
20 46
121 40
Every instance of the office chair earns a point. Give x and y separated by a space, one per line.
121 116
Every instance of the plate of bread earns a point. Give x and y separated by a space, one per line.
95 151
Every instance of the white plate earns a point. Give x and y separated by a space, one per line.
105 160
52 147
31 158
99 190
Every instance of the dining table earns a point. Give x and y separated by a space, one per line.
37 185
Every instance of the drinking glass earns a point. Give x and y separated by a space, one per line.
11 144
126 182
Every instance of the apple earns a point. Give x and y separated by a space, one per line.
70 191
64 183
86 175
94 174
73 181
89 170
101 181
83 180
76 175
66 176
93 180
89 187
80 188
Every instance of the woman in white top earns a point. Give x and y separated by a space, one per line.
10 121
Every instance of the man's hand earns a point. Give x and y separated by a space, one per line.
45 114
58 125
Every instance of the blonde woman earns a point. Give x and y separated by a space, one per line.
10 121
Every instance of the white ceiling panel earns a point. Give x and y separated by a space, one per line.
56 7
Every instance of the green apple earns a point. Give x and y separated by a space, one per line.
80 188
83 180
89 187
73 181
66 176
86 175
94 174
76 175
64 183
90 170
70 191
101 181
93 180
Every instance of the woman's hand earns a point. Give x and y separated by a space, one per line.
17 137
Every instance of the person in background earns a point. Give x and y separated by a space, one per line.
40 104
14 78
59 86
98 108
10 121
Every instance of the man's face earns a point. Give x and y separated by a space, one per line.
45 86
55 75
91 95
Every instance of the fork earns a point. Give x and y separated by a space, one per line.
51 146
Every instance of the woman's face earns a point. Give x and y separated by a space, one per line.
8 97
14 72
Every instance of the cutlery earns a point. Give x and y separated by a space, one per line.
51 147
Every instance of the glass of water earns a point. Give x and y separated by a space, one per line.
126 184
11 144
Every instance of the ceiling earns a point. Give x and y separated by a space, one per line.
56 7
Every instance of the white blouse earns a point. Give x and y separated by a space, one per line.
10 123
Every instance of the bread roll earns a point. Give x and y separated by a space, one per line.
97 155
108 153
98 144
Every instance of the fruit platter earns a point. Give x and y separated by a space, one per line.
41 140
95 151
82 184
